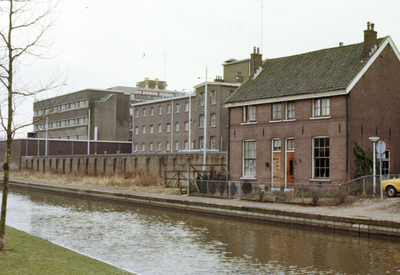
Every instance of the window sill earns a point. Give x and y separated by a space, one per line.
248 123
289 120
275 121
320 180
320 117
248 178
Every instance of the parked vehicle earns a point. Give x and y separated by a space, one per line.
391 186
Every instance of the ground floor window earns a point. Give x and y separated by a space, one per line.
249 158
386 163
321 157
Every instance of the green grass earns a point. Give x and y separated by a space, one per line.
28 254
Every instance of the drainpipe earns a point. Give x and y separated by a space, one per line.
229 141
347 133
190 121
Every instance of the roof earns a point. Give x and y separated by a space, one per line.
304 74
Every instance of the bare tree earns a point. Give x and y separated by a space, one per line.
23 24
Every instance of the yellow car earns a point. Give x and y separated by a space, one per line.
391 186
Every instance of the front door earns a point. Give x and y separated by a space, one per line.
290 167
276 173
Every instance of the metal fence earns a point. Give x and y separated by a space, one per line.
297 193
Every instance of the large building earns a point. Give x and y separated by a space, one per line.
176 123
295 118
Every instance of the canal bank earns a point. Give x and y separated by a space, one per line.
337 218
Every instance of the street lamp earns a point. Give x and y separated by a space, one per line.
374 140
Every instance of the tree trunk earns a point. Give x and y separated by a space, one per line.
6 169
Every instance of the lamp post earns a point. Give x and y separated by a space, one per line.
374 140
205 126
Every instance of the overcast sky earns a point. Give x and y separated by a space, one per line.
101 44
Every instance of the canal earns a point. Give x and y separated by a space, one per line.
150 241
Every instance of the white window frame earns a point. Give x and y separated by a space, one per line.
321 107
249 161
151 111
290 110
213 97
212 142
186 126
143 129
168 109
186 106
201 99
176 145
177 108
144 112
201 121
159 110
151 129
168 128
276 110
314 148
213 120
201 143
159 128
176 126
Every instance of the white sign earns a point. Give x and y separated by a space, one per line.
380 147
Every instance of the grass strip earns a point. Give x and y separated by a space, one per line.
29 254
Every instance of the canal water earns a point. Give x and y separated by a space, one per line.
151 241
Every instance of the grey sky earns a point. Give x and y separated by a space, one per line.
100 44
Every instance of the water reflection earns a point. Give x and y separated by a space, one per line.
152 241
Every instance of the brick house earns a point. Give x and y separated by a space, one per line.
295 118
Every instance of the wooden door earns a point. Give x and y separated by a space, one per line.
276 166
290 167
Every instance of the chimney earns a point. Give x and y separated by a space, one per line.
255 61
146 79
165 86
137 84
370 39
156 80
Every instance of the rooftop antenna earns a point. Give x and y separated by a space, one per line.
165 65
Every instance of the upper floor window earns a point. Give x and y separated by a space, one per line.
136 129
201 121
186 145
201 99
230 93
86 102
159 128
201 143
151 111
168 127
168 109
144 113
213 97
276 111
177 127
186 126
186 106
151 147
143 147
159 146
212 142
136 147
160 110
177 108
143 129
290 110
321 107
249 113
176 145
137 113
212 120
167 146
151 129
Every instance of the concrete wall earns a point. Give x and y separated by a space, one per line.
110 164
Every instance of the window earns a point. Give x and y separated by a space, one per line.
151 111
212 120
177 108
276 145
321 107
151 129
136 147
321 157
159 128
159 110
167 146
276 111
290 110
201 99
230 93
201 121
186 145
212 142
186 126
177 127
143 147
136 130
137 113
290 145
144 113
249 113
249 158
176 145
86 102
213 97
168 109
159 146
168 127
76 104
85 120
386 163
201 143
186 106
77 121
151 147
143 129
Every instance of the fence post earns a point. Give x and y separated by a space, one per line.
269 192
364 185
302 193
340 193
229 189
240 193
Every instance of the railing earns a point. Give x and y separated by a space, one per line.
296 193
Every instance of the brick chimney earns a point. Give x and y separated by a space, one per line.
370 39
156 83
146 79
255 61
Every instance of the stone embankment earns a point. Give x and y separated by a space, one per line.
346 219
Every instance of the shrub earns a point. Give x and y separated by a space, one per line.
247 187
233 189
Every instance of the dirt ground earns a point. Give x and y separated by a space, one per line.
375 205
